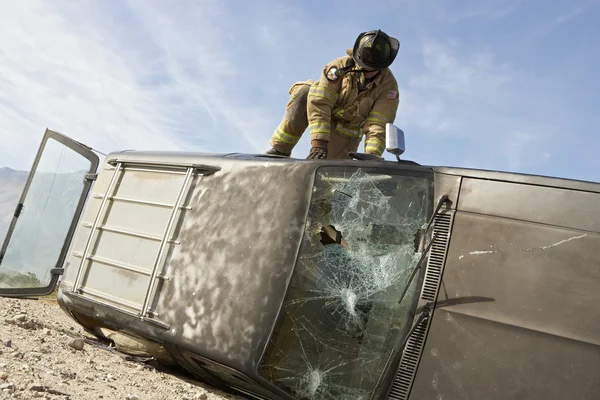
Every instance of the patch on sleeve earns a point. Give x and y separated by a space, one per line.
333 74
392 94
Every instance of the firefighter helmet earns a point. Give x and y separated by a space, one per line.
375 50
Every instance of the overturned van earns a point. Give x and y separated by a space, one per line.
280 278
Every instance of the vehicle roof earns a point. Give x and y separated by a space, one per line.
191 157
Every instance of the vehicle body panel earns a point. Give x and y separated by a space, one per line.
531 247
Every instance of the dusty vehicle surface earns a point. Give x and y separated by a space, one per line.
280 278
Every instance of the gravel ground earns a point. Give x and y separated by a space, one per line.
45 354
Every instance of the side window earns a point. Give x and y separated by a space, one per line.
45 216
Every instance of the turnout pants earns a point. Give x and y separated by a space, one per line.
294 124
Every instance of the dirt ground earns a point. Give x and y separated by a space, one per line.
41 356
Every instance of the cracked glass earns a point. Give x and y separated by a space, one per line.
342 320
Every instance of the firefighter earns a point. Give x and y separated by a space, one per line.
356 95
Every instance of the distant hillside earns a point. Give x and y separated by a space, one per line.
11 186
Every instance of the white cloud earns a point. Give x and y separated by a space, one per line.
453 83
474 74
199 56
143 75
213 76
575 12
56 77
491 9
464 98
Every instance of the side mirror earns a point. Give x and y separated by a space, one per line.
394 140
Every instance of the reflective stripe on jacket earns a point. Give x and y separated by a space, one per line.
338 106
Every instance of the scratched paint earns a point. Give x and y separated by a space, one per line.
480 252
564 241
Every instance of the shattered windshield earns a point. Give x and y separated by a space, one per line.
341 319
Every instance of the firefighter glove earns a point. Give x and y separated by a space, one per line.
318 150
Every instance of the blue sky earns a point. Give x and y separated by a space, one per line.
506 85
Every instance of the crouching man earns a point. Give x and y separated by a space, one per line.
355 96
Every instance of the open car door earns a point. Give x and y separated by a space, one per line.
45 218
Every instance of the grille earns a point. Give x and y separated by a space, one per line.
414 347
435 265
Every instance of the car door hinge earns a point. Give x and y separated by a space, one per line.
57 271
91 177
18 210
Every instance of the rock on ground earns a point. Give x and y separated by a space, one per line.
45 355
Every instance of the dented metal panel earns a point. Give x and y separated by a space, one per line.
239 241
517 313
